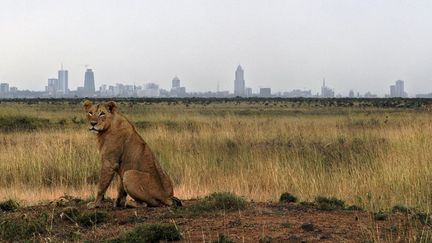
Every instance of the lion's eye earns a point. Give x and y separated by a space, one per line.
90 113
102 114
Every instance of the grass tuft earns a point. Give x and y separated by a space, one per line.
20 229
223 239
218 201
400 209
150 233
354 208
329 203
88 219
287 198
9 205
380 216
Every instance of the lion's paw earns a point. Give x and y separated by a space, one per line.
92 205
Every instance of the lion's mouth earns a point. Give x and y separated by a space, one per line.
93 129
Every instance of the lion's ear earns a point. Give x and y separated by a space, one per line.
111 106
87 104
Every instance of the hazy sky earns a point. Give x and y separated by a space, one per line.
363 45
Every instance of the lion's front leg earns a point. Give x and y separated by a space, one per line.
107 173
121 196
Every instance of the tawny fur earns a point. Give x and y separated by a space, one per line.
125 153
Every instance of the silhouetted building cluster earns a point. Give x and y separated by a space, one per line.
326 92
176 89
58 87
298 93
397 90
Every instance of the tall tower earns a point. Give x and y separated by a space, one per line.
400 91
89 83
176 83
63 80
239 82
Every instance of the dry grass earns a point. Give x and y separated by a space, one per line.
371 157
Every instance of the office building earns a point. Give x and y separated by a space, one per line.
239 82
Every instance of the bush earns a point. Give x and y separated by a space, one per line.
20 229
9 205
150 233
329 203
218 201
287 198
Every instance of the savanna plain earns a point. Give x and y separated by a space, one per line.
267 170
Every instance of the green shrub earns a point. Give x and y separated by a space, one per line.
20 229
287 198
329 203
400 209
218 201
88 219
70 213
380 216
354 208
9 205
150 233
223 239
306 204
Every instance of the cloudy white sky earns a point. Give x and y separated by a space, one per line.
363 45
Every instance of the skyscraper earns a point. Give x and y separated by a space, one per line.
63 81
326 92
176 83
89 83
176 89
398 89
239 82
4 88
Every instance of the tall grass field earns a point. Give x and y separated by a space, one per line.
374 156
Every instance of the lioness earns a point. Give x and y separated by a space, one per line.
124 152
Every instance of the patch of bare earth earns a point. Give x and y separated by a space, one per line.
282 222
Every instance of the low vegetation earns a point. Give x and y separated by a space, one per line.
329 203
13 230
152 233
9 205
223 239
287 198
86 218
216 202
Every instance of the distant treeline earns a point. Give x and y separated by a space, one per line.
309 102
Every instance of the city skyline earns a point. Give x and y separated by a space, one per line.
359 45
58 88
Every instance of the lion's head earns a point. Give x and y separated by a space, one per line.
99 115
